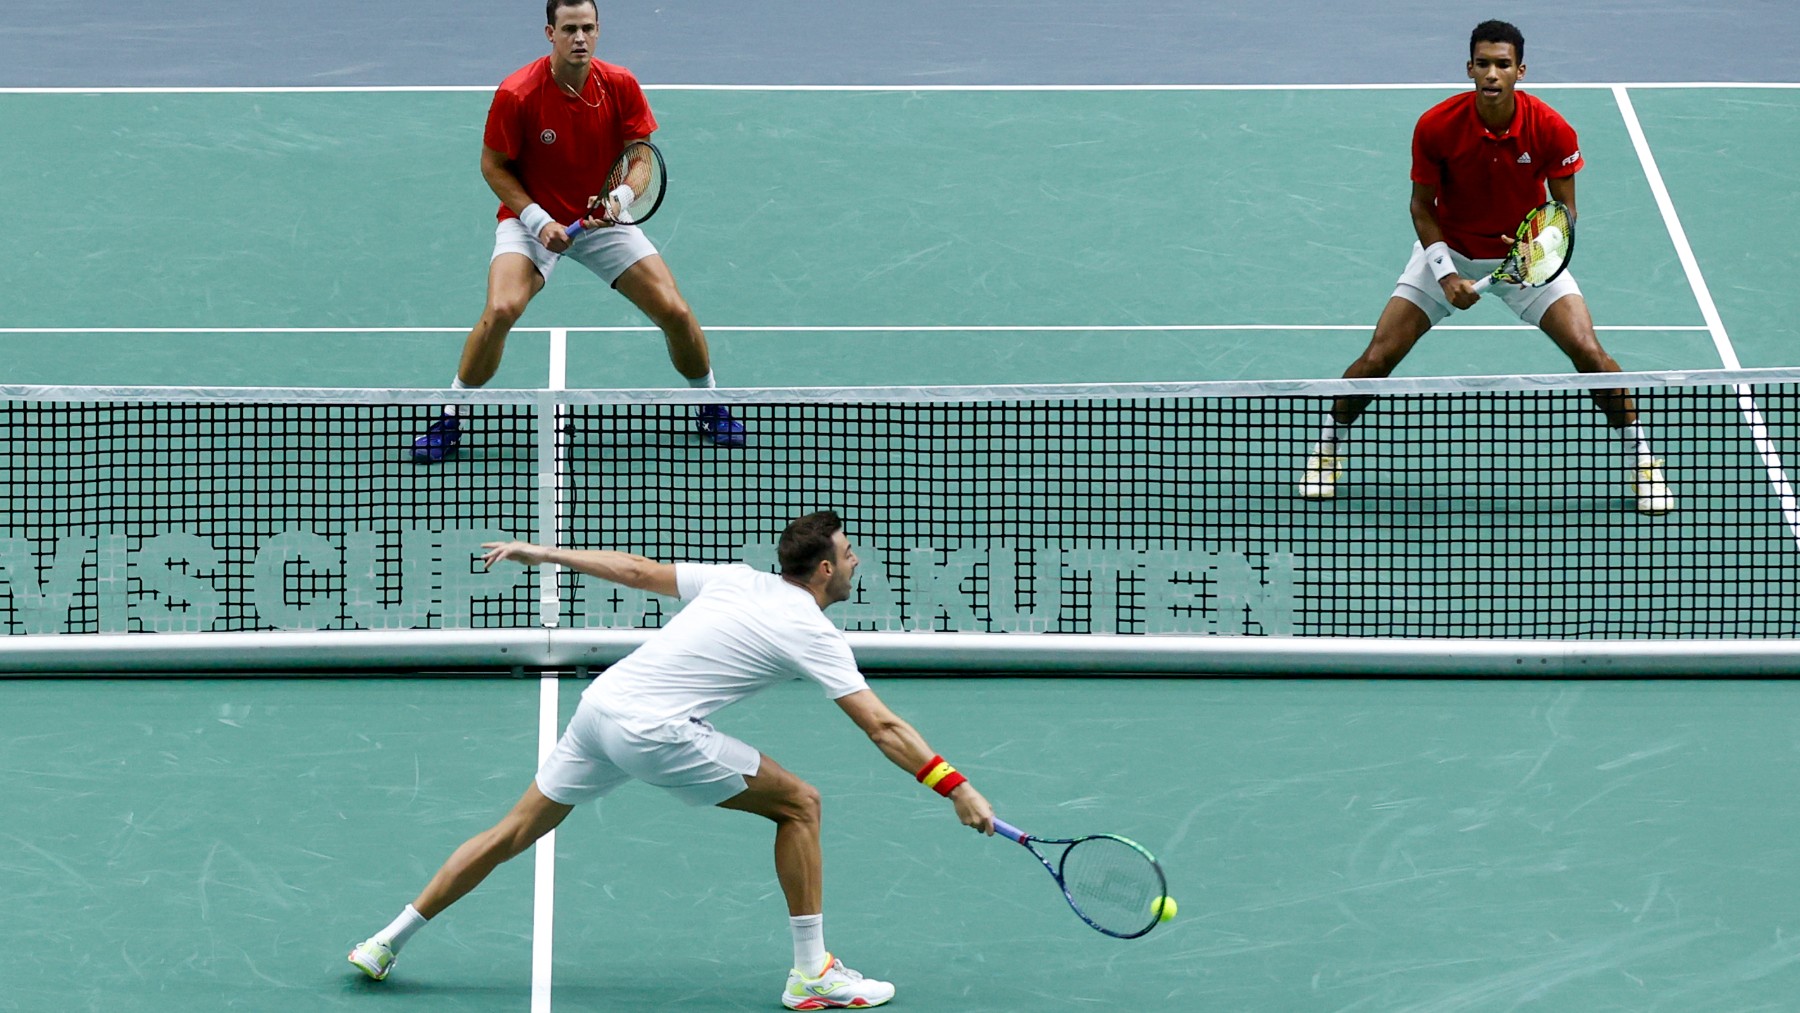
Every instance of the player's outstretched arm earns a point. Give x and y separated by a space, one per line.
902 743
640 572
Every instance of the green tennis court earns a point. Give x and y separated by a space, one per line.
1378 845
923 220
1364 845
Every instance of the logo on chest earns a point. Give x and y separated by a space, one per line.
548 136
1525 158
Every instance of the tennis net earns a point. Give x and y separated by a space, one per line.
1468 507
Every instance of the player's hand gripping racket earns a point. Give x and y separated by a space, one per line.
1541 249
1112 883
633 189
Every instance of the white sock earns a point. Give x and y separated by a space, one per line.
401 928
1332 435
1637 443
703 382
456 384
809 942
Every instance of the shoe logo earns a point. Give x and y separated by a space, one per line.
1525 158
548 137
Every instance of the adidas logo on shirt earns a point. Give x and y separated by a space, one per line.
1525 158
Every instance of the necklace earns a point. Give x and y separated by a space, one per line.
578 95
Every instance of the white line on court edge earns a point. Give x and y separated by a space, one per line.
1709 311
543 905
828 329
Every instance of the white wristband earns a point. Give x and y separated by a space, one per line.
534 219
1437 257
622 196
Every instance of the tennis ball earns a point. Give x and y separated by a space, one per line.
1163 908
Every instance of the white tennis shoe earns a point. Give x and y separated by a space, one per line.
836 987
1652 489
374 957
1323 467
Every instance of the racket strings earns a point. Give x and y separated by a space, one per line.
1113 883
1544 244
641 171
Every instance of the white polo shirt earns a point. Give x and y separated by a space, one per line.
741 631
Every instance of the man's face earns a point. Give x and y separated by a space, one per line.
1495 69
573 37
843 569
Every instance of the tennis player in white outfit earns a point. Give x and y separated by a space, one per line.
645 718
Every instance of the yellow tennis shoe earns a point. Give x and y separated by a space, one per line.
1652 489
1323 467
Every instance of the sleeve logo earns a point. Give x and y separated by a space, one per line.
1573 158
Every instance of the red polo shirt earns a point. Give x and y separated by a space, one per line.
562 146
1487 181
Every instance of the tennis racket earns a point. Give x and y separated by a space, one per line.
1541 249
640 168
1111 883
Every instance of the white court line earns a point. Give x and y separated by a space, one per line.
488 89
831 329
550 500
543 901
559 358
1747 406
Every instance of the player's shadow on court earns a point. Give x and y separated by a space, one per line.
708 995
1382 501
441 994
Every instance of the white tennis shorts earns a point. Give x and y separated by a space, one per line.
607 252
1419 287
693 761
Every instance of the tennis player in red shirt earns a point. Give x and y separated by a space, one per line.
1481 161
554 128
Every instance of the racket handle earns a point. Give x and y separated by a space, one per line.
575 230
1482 283
1007 830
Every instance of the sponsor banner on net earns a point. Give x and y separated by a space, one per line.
432 578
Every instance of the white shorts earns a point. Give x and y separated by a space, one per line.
695 762
607 252
1419 287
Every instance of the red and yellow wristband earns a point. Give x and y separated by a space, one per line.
940 776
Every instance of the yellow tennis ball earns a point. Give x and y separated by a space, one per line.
1163 908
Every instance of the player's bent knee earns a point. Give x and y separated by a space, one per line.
808 804
514 839
799 802
672 313
506 312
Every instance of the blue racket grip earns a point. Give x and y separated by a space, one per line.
575 230
1008 831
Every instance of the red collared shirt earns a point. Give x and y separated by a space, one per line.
1487 182
562 146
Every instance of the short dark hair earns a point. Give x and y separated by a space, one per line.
552 6
1497 31
807 542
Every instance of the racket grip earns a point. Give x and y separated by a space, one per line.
1007 830
575 230
1482 283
